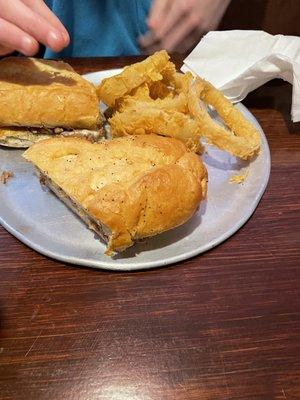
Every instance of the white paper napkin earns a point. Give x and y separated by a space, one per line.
238 62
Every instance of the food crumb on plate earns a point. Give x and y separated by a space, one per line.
239 178
5 176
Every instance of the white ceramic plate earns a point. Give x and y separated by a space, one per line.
37 218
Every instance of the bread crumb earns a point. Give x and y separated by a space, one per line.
5 176
239 178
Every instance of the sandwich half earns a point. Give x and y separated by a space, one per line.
42 98
124 189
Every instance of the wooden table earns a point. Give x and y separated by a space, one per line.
224 325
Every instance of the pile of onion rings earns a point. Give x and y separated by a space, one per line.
150 97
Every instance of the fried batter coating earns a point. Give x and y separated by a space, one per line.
151 97
242 140
140 93
182 82
177 103
160 90
168 73
140 120
133 76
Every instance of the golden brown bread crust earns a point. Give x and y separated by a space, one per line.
40 93
137 186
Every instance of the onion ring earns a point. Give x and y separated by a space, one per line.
242 140
148 120
132 76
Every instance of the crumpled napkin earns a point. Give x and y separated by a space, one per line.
237 62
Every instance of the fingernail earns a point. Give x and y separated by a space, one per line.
27 46
54 39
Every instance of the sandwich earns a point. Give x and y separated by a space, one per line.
40 99
124 189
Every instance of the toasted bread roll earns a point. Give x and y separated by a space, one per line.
41 93
124 189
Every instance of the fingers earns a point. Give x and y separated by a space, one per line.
41 8
175 32
178 34
5 51
179 24
159 30
14 38
173 24
148 40
32 23
158 12
174 14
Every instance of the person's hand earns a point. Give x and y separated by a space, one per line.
26 23
179 24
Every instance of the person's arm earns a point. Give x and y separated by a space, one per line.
179 24
26 23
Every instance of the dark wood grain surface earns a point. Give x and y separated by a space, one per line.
224 325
